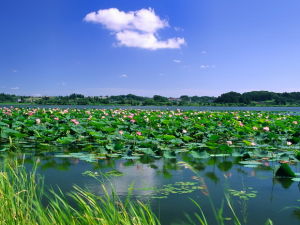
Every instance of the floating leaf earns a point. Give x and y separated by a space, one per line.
284 171
199 155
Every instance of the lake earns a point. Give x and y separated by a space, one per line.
168 185
168 159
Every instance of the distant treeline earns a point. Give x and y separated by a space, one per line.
252 98
265 97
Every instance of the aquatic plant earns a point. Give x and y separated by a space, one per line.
131 133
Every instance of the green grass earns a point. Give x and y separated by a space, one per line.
21 195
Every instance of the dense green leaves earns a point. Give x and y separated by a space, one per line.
152 132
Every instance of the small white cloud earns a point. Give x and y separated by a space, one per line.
14 71
178 29
135 28
203 52
124 75
206 66
15 88
176 60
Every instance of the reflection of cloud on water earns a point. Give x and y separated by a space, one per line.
139 175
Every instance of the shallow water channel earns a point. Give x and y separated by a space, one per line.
170 184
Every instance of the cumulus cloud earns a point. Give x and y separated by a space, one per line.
134 28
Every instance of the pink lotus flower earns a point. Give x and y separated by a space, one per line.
266 129
289 143
121 132
37 121
56 118
229 142
132 121
254 128
252 144
184 131
139 133
75 121
295 122
241 124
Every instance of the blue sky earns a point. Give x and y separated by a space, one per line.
147 47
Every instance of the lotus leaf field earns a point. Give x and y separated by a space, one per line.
133 133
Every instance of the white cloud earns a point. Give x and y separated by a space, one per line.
15 88
135 28
178 29
176 60
205 66
14 71
146 40
203 52
124 75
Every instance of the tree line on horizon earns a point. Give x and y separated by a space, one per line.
229 98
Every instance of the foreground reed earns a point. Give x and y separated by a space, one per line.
21 197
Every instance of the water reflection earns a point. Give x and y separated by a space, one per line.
168 183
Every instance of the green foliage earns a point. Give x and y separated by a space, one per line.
132 133
285 171
260 97
243 194
253 98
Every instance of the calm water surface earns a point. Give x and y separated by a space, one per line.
168 185
196 108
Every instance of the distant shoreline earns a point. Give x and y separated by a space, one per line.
229 99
